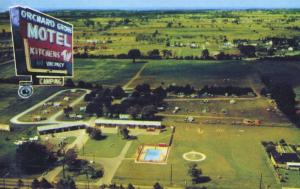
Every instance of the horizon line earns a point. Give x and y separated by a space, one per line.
164 9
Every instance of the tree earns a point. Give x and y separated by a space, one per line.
70 157
20 183
270 148
284 96
94 108
118 92
157 186
94 133
69 83
134 54
33 157
144 88
167 53
68 110
247 50
35 184
154 53
81 84
205 54
148 112
67 183
88 97
124 132
130 186
133 111
194 173
44 184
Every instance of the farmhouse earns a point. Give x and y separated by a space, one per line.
128 123
60 128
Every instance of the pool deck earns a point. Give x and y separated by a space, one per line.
152 154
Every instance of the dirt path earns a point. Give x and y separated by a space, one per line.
78 144
110 165
52 119
137 75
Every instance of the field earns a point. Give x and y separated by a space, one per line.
47 112
108 72
249 109
11 104
235 157
111 146
195 72
184 33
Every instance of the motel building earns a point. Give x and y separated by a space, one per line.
128 123
287 160
49 129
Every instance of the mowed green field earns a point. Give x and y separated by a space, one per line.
110 146
196 73
108 72
11 104
235 157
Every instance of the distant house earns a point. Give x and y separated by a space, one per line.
67 98
78 116
82 108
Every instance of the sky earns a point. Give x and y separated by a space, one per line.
150 4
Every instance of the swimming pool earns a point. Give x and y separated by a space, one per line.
153 155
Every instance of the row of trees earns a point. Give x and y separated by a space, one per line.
229 90
215 90
142 101
284 96
246 51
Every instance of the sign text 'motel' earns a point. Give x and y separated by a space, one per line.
42 44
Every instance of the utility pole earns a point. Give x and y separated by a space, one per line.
171 174
64 160
4 184
87 177
260 182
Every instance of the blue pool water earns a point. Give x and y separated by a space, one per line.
152 155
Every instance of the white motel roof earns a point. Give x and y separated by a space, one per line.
128 122
60 126
293 164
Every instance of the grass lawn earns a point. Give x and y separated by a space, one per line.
235 157
108 72
148 139
51 110
292 178
196 73
76 110
11 104
111 146
105 71
81 175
